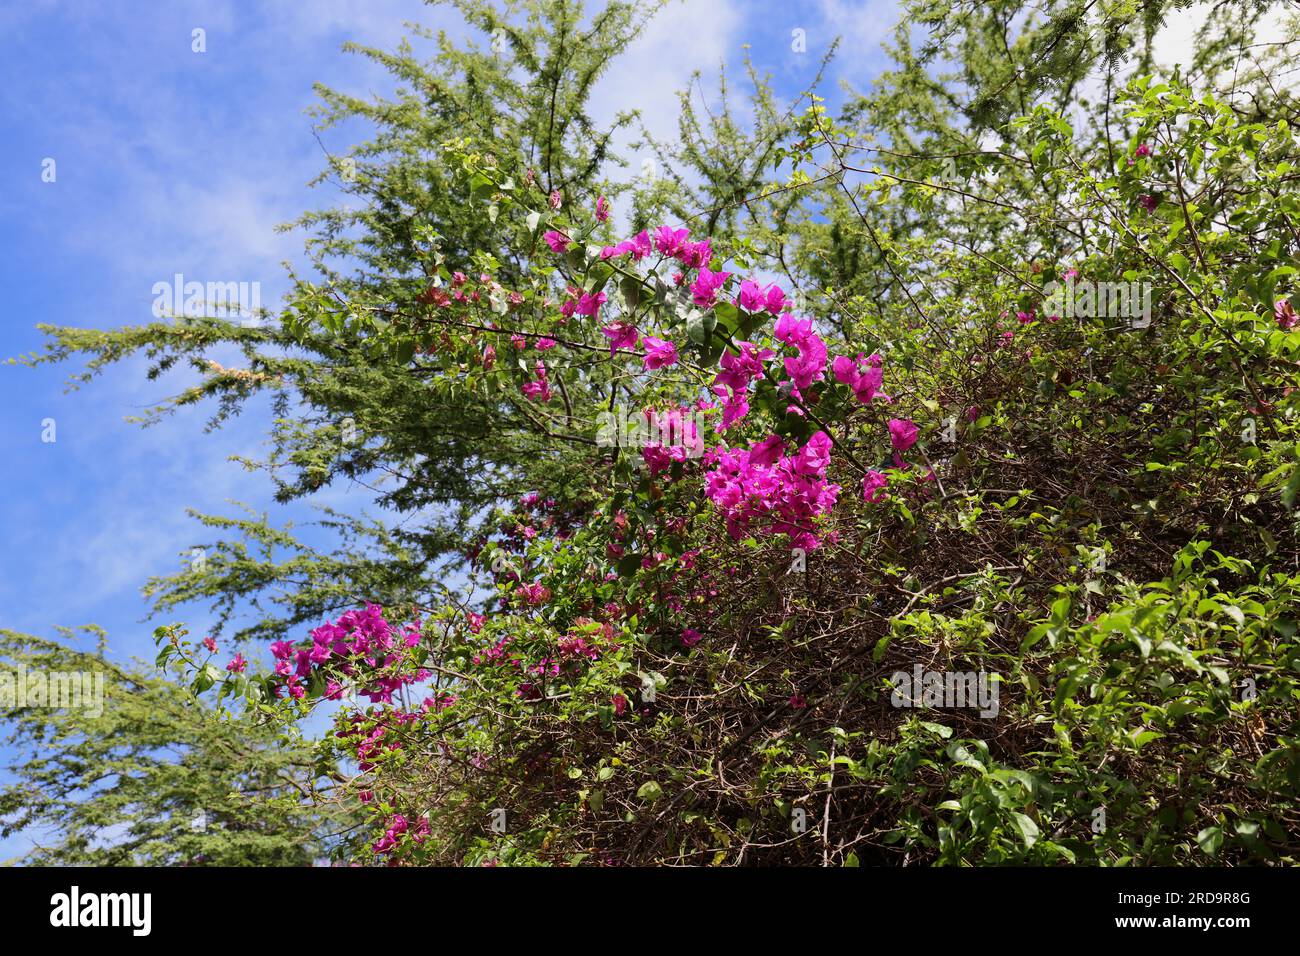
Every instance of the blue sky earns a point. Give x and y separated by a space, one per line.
167 160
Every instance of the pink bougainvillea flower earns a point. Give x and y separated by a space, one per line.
620 704
237 664
864 376
476 622
695 255
641 246
814 456
671 436
750 296
556 199
774 299
810 365
784 497
670 241
638 247
902 433
544 344
1285 314
539 390
535 593
558 241
844 369
519 342
873 486
1142 150
1148 202
704 291
659 353
211 644
767 452
602 209
691 637
621 335
1024 318
755 298
590 304
733 381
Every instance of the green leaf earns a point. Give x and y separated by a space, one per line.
1292 489
1210 840
650 790
1027 827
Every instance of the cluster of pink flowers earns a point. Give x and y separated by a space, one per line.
782 493
785 493
668 241
658 353
535 593
638 247
371 745
1285 314
495 653
756 298
873 486
704 291
864 376
579 645
520 343
539 389
397 828
621 335
357 638
674 437
902 433
732 382
810 364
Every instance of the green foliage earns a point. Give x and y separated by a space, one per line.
149 777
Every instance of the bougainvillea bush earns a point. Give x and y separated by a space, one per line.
691 654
